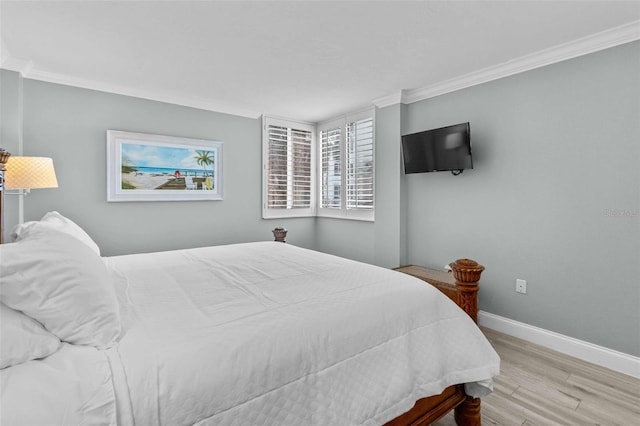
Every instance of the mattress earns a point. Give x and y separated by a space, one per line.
269 333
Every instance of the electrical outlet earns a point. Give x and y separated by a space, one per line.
521 286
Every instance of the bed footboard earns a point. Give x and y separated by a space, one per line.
468 412
430 409
461 286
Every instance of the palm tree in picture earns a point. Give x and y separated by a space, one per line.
204 159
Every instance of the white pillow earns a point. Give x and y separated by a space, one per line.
54 220
23 339
59 281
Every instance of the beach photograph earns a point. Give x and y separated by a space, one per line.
148 167
153 167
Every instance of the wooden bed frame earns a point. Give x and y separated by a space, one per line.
461 286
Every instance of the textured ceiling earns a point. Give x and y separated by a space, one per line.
307 60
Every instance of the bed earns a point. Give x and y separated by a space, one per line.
242 334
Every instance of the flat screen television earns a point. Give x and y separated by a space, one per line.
444 149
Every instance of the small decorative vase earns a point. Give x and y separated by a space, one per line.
280 234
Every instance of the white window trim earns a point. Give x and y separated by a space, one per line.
343 212
330 125
270 213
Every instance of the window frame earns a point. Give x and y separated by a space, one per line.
337 124
344 212
274 213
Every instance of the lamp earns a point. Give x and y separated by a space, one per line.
30 173
25 173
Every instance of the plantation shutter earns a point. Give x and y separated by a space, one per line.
331 164
360 173
288 164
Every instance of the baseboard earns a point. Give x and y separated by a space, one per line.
599 355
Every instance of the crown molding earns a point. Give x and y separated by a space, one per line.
582 46
392 99
153 95
590 44
10 63
18 65
28 70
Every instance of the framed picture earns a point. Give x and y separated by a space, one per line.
145 167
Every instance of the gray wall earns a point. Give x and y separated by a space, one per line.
69 124
555 151
382 242
10 132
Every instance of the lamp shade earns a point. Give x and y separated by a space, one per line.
30 173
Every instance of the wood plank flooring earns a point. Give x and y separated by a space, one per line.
538 386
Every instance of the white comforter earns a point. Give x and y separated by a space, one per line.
267 333
71 387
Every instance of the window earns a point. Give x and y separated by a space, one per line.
347 167
288 159
331 165
344 170
360 158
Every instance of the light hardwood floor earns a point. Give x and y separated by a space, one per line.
538 386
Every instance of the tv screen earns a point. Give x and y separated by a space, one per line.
444 149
